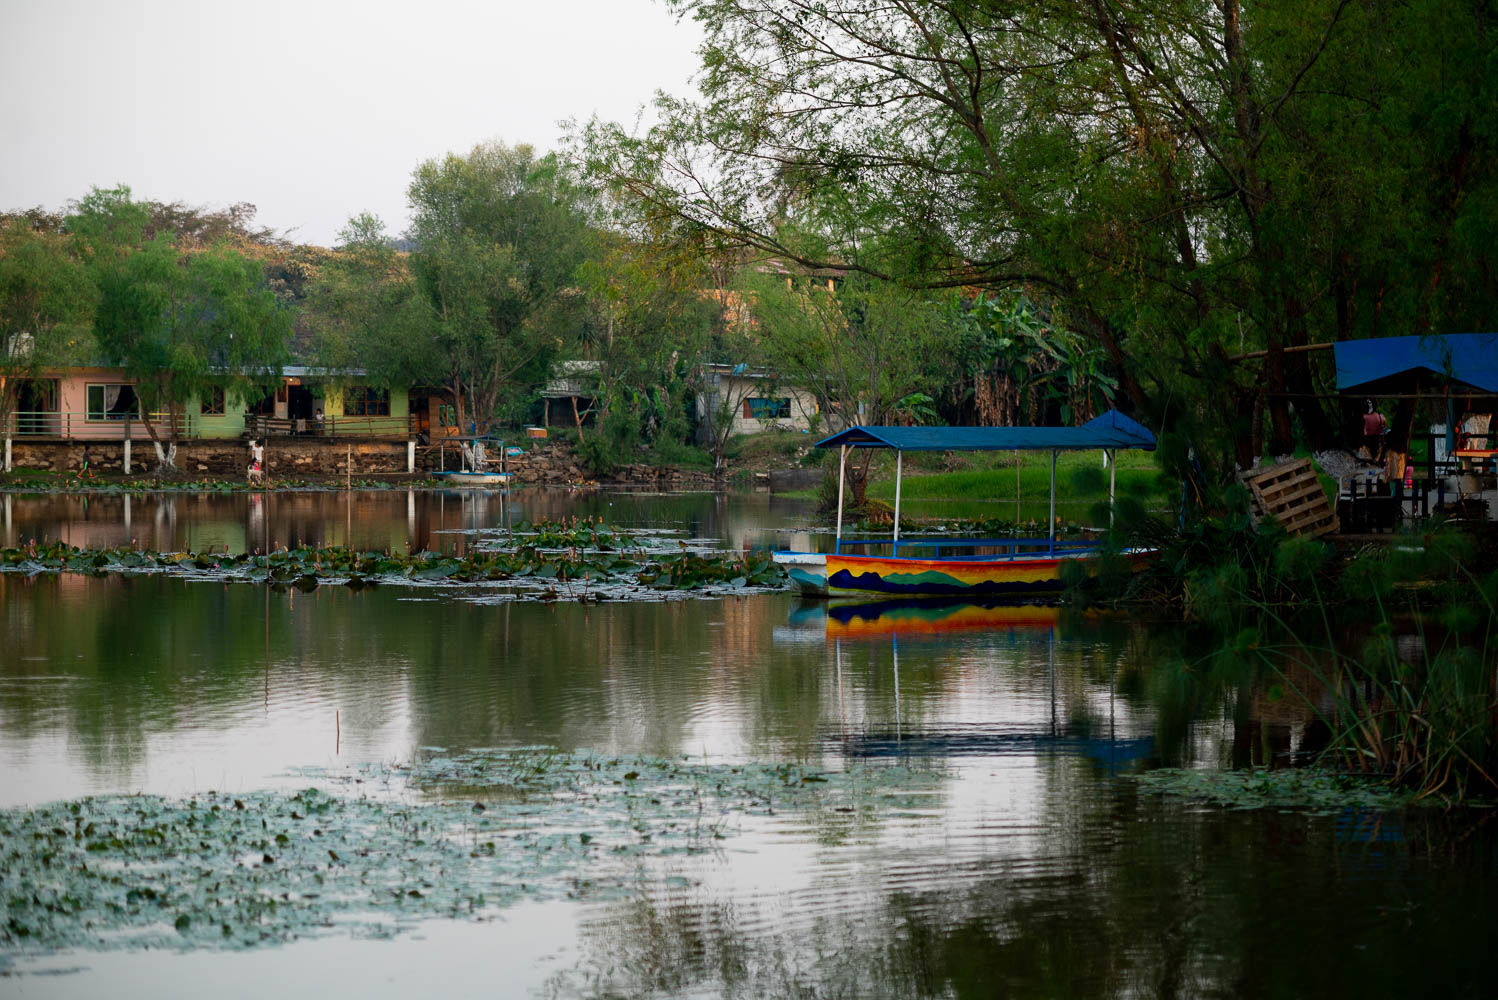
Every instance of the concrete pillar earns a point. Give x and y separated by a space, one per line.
8 466
127 457
410 457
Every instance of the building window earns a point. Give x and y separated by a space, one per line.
112 402
364 401
767 409
213 402
447 415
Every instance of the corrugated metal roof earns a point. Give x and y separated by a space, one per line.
1108 430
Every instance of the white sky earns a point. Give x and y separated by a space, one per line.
311 110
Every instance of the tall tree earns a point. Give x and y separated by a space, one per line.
1191 181
865 348
181 323
364 311
652 323
498 237
46 307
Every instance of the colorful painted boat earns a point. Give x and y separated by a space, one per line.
841 574
985 567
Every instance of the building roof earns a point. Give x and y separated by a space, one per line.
1387 364
1108 430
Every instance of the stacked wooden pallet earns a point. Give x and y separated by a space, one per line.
1292 494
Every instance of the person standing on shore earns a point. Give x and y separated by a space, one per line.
257 460
84 472
1374 426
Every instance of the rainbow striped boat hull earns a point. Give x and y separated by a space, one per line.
835 574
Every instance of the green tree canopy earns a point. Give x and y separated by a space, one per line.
179 322
1189 181
46 307
498 237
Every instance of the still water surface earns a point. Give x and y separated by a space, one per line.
1036 870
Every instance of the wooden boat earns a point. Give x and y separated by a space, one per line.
952 567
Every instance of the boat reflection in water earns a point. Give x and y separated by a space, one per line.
921 624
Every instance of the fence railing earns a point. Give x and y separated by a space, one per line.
260 425
77 425
74 425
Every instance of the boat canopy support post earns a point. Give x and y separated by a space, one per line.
842 468
899 458
1112 481
1053 498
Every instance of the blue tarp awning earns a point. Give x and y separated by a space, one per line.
1108 430
1391 364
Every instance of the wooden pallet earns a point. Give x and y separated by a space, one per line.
1292 494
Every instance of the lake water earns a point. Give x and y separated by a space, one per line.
1032 866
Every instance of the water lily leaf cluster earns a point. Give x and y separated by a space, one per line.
485 830
1289 788
307 567
586 533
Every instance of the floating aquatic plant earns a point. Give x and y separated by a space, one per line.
1288 788
306 567
486 829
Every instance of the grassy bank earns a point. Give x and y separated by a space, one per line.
984 486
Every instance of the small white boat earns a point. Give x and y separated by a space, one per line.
475 471
475 478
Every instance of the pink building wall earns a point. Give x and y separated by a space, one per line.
71 419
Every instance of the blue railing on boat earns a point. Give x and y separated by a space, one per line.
1010 548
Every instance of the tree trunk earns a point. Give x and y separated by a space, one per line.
1245 435
166 458
1320 430
1281 428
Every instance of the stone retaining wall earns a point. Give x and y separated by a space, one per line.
543 464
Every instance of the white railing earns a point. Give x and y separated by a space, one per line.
259 425
76 425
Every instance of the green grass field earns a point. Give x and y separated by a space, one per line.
987 487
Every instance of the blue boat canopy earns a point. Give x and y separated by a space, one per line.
1389 364
1107 430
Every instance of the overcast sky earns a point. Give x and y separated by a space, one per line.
311 110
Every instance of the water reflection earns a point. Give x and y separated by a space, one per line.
436 520
144 676
1033 869
1127 897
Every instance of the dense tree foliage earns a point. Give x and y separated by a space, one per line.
652 318
498 240
46 307
1188 180
180 321
484 299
